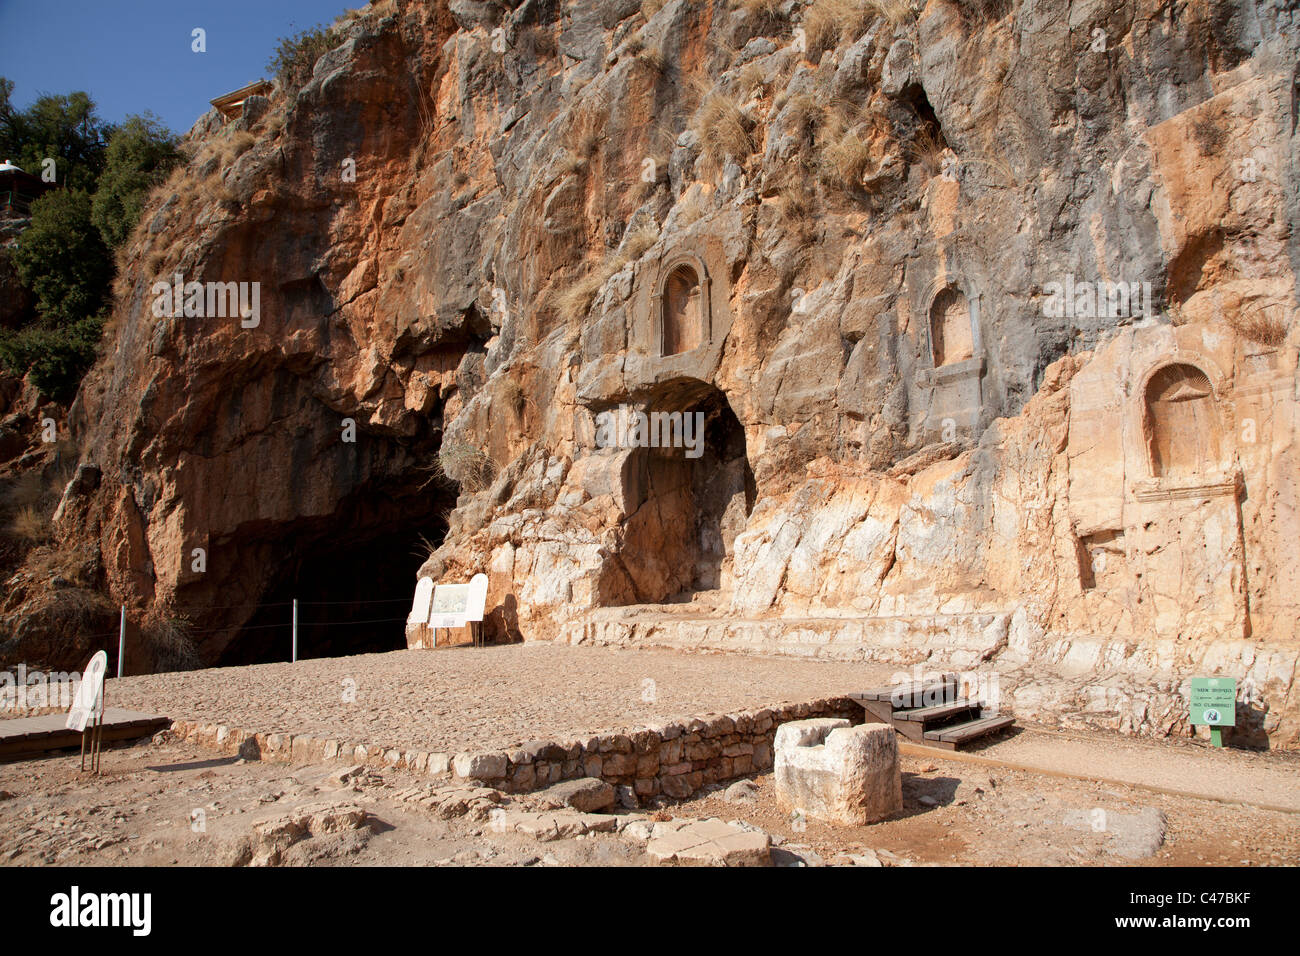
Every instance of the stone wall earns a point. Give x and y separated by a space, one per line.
673 759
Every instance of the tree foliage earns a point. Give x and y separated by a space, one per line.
64 128
296 56
62 258
140 154
53 357
64 255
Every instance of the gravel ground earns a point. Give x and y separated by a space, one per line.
485 698
475 699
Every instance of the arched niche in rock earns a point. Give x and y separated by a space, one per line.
1182 424
952 328
950 402
690 491
680 307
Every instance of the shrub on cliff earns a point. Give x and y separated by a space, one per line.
54 356
296 55
140 154
468 466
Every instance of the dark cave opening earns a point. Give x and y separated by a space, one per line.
928 128
354 583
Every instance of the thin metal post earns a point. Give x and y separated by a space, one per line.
295 630
98 736
121 642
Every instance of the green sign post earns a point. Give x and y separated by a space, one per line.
1214 703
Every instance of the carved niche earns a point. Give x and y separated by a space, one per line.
951 337
680 306
1182 427
954 401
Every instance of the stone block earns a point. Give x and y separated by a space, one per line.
708 843
480 766
837 773
585 794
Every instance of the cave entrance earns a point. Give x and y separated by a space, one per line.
353 576
694 496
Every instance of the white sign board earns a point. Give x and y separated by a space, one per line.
455 605
89 701
423 602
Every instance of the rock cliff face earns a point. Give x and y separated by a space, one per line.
986 311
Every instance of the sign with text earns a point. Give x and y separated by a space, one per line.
89 701
455 605
1214 701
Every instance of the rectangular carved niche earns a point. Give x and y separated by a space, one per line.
1102 561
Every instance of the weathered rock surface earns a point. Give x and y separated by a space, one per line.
841 255
272 839
707 843
837 773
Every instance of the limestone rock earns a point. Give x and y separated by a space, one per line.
914 447
707 843
838 773
743 791
585 794
272 838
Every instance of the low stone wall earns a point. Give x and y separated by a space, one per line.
673 759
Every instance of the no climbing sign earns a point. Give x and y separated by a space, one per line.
1213 703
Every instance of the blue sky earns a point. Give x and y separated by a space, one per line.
134 55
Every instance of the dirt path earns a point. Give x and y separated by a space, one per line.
1270 780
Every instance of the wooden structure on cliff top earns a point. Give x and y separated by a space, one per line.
232 104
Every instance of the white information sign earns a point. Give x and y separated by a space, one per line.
455 605
89 701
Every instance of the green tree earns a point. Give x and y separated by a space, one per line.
140 154
54 358
64 128
62 258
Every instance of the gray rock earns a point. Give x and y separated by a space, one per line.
586 794
899 70
742 791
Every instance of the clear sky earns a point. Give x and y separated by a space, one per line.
135 55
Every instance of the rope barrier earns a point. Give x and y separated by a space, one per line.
292 625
